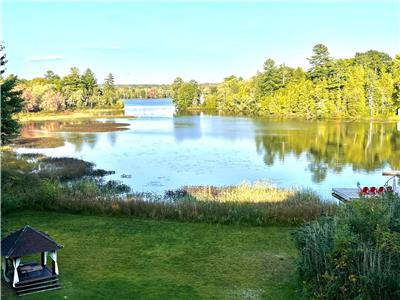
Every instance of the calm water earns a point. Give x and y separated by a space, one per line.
158 151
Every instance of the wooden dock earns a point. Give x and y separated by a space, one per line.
345 194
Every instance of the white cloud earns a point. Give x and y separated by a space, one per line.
113 47
103 47
45 57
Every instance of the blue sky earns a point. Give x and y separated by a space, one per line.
155 42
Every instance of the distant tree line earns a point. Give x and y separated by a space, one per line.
144 91
367 85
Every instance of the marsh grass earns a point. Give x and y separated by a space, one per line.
245 192
39 142
68 168
355 254
73 185
94 127
294 207
73 114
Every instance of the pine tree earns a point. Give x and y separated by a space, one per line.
11 103
320 63
109 95
70 85
89 87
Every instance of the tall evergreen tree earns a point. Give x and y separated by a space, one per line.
3 60
72 87
89 83
270 79
11 103
109 94
320 63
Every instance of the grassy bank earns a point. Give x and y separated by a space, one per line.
126 258
72 114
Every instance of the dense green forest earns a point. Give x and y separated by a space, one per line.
367 85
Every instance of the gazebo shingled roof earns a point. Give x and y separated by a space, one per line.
25 241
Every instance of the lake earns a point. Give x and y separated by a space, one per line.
157 150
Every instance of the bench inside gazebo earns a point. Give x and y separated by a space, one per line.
30 277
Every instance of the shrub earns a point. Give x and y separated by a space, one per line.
355 254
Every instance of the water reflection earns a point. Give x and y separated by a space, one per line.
367 146
162 150
112 137
149 108
187 127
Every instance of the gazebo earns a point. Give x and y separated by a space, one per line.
30 277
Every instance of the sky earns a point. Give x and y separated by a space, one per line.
142 42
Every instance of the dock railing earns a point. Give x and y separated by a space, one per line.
393 174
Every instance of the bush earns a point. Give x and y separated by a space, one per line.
354 255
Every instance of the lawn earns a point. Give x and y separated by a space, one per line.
127 258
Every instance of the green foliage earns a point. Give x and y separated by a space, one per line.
355 254
236 96
22 188
377 61
185 94
367 85
11 103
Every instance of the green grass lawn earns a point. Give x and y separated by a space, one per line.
125 258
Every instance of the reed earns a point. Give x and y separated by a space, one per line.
353 255
72 185
185 205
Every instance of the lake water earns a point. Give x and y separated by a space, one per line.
158 151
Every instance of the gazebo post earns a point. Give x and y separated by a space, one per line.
16 262
54 264
43 258
4 266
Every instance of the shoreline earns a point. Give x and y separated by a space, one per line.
118 113
73 114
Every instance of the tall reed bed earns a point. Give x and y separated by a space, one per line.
355 254
226 205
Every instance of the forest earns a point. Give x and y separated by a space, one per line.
52 93
364 86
